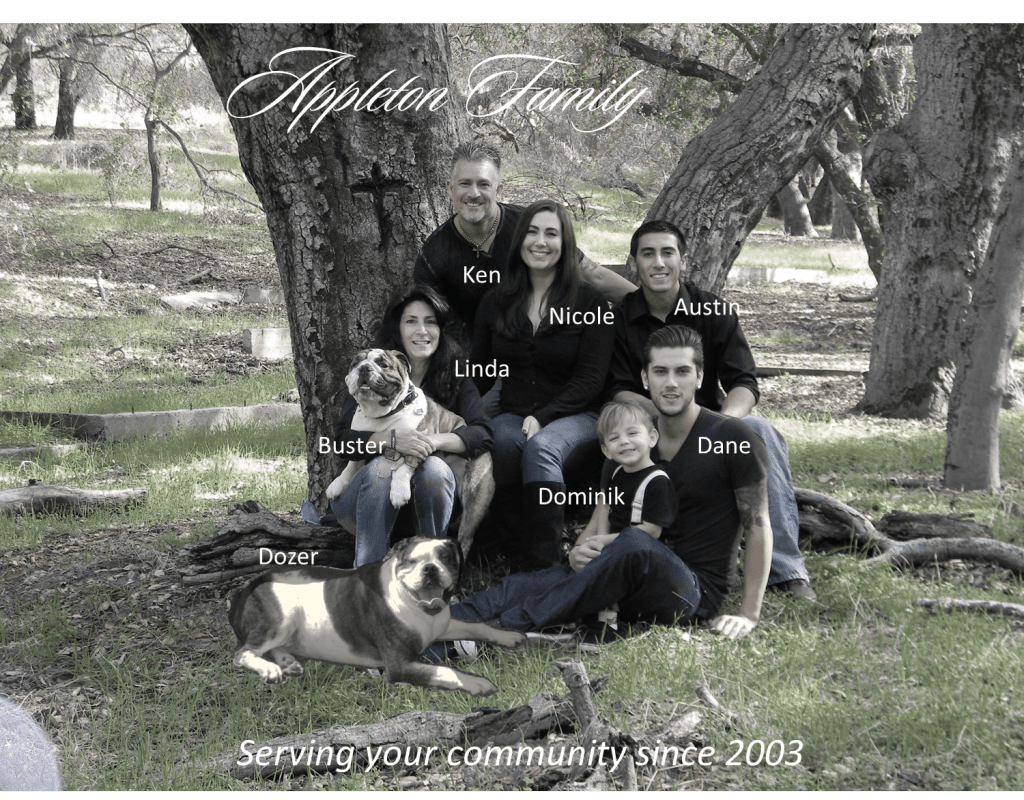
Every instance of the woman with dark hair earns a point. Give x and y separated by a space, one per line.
550 337
416 324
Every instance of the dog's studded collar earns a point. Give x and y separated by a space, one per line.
407 400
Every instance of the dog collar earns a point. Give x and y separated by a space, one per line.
407 400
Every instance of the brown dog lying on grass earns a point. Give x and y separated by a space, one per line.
381 615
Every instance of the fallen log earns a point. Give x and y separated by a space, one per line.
42 498
903 525
28 453
986 606
234 548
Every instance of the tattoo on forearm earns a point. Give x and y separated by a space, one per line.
752 501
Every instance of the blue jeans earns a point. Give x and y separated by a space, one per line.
365 509
517 460
787 562
492 399
646 579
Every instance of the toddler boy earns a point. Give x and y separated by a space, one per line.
637 493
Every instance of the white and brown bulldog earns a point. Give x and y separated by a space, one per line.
379 382
381 615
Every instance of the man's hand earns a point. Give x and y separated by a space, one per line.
586 551
413 443
733 627
531 427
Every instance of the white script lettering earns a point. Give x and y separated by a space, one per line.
550 98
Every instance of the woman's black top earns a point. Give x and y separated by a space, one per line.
555 372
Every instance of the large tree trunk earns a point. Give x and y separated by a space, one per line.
67 100
23 100
796 219
939 173
349 203
972 428
727 174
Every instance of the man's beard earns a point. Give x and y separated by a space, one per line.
473 215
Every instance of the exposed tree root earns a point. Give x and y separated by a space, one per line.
859 298
928 551
825 518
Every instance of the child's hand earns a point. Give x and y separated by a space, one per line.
589 549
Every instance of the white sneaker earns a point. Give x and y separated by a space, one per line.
467 649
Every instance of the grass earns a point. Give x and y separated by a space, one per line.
877 692
187 474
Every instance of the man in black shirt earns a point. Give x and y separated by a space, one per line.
730 383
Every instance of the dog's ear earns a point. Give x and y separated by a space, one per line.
398 550
403 358
357 359
449 593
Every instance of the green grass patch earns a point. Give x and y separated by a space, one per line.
836 257
186 474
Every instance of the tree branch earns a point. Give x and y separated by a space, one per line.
860 203
687 67
209 186
745 40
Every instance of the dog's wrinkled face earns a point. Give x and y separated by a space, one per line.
377 379
429 569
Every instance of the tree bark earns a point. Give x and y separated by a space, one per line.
23 101
938 174
349 203
67 100
972 427
856 198
820 204
727 174
796 219
155 202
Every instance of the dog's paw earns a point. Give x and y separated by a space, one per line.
334 490
509 638
401 492
272 674
477 686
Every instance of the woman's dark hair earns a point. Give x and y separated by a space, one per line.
440 383
513 293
